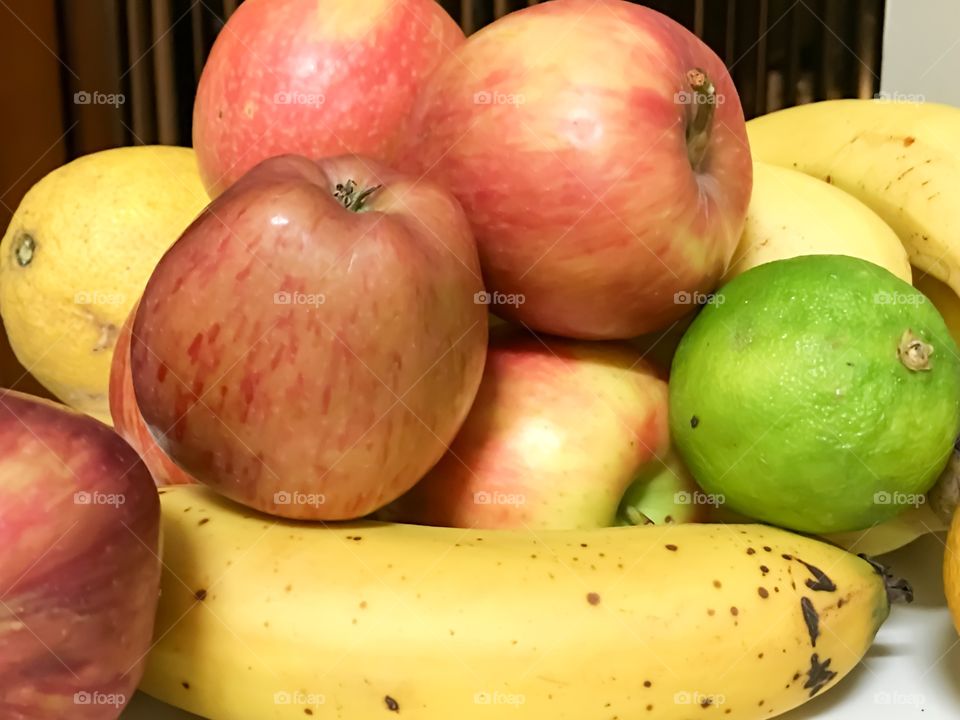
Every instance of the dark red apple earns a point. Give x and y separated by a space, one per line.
312 343
314 77
600 153
80 565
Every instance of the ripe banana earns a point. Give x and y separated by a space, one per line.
793 214
263 618
900 159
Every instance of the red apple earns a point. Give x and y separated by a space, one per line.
558 432
600 153
128 421
80 569
314 77
312 343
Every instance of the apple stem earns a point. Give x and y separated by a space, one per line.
703 101
351 199
635 517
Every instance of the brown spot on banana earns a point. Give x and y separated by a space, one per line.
820 583
811 618
819 674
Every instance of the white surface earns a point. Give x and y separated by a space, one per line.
912 670
921 50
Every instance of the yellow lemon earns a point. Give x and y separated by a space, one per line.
77 255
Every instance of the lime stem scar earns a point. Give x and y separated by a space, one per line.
913 352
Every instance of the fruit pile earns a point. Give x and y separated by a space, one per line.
511 374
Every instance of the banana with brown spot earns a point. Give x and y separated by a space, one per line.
263 618
900 159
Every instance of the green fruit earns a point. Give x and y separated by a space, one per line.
663 493
819 393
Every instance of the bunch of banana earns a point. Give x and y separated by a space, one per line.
263 618
900 159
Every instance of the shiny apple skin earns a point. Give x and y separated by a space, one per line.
80 567
559 128
558 432
306 360
316 78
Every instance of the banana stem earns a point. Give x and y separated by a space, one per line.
898 589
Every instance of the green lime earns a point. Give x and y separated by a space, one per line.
819 393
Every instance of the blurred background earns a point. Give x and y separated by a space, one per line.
84 75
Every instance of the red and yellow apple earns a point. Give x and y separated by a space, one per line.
316 78
314 340
559 431
80 567
600 152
